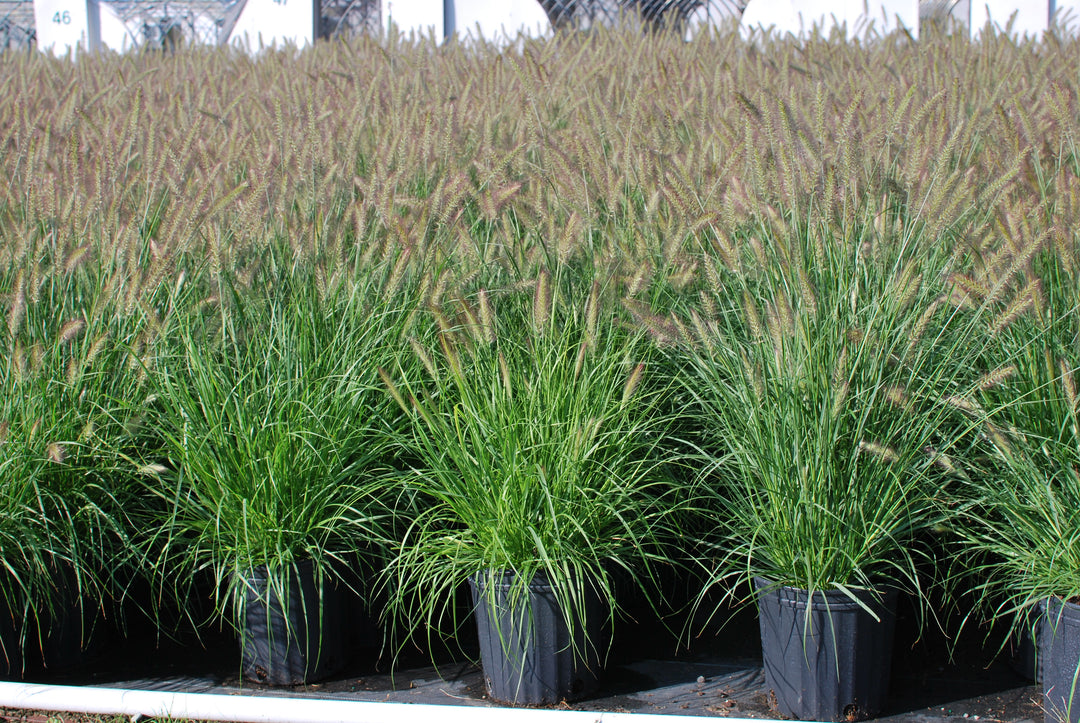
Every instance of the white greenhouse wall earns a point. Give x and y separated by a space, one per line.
64 26
798 17
115 35
414 16
1032 16
497 21
263 23
890 15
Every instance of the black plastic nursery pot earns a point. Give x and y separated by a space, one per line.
67 632
528 654
827 658
294 638
11 658
74 630
1025 660
1059 660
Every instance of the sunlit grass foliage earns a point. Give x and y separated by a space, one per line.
162 217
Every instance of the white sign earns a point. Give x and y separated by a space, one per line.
1031 16
424 17
64 26
498 21
263 23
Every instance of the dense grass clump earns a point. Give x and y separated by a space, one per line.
853 257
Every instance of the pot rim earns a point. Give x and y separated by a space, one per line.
833 598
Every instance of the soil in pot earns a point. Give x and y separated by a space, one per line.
827 659
293 635
1059 660
529 654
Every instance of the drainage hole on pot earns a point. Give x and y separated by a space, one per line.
853 712
261 674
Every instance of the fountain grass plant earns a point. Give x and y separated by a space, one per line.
539 440
828 385
73 380
277 435
1022 506
1020 526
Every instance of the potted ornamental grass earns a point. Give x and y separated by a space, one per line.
540 480
276 434
827 382
1021 518
68 376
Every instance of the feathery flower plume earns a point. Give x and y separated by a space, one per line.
922 324
1069 384
75 258
806 291
472 319
70 330
995 377
753 317
487 318
397 276
704 333
18 305
632 382
392 388
968 406
998 437
579 362
945 462
542 301
592 314
967 291
1023 301
18 358
424 357
897 397
840 383
708 305
55 452
881 451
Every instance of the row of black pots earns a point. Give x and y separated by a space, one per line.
528 653
826 657
824 660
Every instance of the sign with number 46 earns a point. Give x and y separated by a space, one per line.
65 25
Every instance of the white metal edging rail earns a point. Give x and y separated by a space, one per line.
268 709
